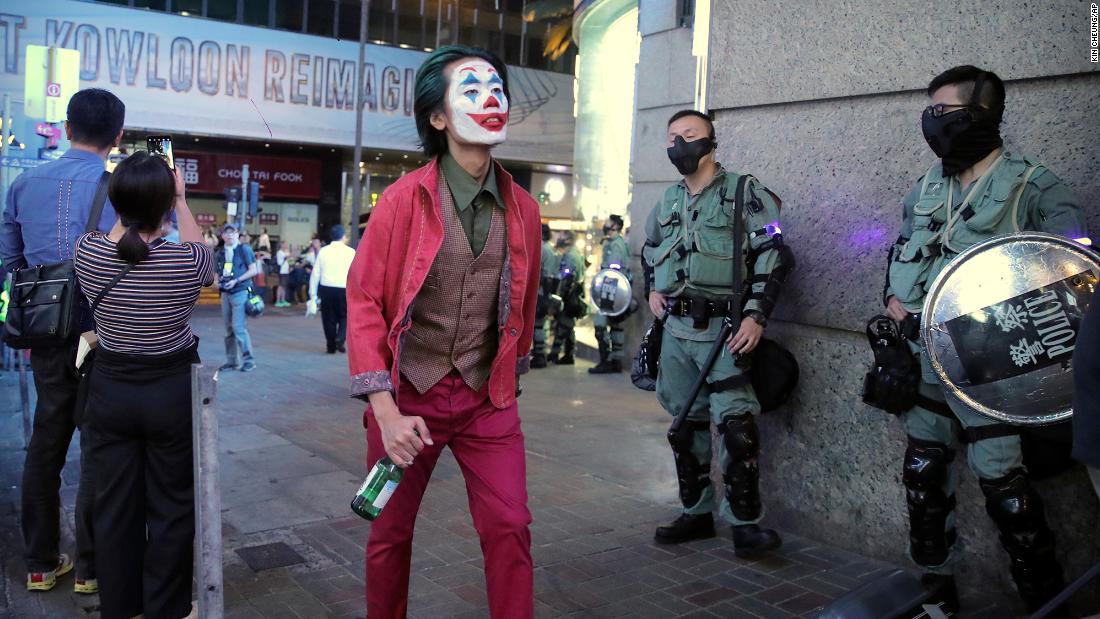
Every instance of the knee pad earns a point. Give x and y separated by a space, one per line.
924 473
1017 510
741 436
742 477
692 475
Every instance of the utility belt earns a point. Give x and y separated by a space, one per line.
700 310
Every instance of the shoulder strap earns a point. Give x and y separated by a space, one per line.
98 202
110 285
1020 194
738 239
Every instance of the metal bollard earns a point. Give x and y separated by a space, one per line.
208 500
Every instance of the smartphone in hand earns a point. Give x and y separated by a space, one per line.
161 145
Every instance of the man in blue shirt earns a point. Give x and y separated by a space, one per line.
236 265
46 211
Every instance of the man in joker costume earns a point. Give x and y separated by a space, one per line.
441 310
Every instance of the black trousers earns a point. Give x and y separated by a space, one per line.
139 424
334 314
55 382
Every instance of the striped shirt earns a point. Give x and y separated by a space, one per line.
148 310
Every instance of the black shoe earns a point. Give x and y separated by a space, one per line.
228 366
686 528
607 367
331 351
553 357
566 360
943 590
538 361
248 366
341 348
750 540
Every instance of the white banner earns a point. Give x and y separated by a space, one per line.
183 74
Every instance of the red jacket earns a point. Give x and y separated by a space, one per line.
397 250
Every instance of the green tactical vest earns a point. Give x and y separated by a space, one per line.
942 226
696 250
616 251
551 261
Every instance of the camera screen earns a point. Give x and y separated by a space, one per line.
162 145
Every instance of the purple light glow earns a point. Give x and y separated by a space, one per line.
867 237
773 229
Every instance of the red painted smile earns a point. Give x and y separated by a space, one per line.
494 121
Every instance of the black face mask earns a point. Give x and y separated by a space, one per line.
686 155
607 230
960 139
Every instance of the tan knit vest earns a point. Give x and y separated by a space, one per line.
454 318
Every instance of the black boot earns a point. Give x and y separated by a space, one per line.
554 355
538 360
749 540
566 359
607 367
1017 510
686 528
943 590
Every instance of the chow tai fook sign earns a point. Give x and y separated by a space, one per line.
279 177
181 75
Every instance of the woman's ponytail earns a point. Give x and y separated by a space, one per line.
142 190
131 247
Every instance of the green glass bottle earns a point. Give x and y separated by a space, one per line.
377 489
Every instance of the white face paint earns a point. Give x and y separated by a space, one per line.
476 103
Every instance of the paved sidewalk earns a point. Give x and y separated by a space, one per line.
600 478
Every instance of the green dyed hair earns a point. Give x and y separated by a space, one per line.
431 91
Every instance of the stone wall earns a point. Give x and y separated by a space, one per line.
823 105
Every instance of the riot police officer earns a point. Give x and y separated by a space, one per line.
574 306
548 286
978 189
689 263
609 329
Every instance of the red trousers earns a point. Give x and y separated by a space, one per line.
488 444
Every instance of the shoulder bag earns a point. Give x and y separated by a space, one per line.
45 299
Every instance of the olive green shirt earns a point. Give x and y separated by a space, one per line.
474 201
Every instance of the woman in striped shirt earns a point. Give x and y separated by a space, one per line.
139 403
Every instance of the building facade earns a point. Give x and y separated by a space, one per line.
272 84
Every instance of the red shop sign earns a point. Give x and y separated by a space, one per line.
279 177
206 219
271 219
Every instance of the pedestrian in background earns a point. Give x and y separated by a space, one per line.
264 242
34 232
309 254
210 238
574 306
282 258
139 400
236 265
328 283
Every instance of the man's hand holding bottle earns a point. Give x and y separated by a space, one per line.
403 437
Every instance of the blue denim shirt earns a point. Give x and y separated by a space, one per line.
47 208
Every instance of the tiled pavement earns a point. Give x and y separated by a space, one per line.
600 479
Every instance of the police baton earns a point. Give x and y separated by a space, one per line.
676 437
